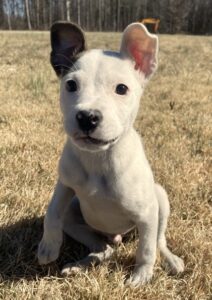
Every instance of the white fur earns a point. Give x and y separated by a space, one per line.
113 182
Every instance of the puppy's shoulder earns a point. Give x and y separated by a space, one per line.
70 169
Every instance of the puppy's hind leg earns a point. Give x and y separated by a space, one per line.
76 227
175 263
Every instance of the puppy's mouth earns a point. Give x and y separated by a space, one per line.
90 140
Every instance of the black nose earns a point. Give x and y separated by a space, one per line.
88 120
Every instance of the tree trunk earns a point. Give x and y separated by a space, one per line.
145 9
27 14
100 15
87 15
1 14
38 13
68 5
90 14
113 15
61 9
50 13
78 13
8 15
118 15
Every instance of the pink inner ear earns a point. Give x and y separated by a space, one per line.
142 58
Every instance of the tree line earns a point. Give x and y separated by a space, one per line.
176 16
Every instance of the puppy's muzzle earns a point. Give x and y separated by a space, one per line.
88 120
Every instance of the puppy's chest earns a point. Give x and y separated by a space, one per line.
96 186
102 205
103 195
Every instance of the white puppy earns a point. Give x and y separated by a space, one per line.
105 186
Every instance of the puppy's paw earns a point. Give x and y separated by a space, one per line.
175 264
141 275
48 251
71 269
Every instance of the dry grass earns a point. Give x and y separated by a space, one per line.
175 122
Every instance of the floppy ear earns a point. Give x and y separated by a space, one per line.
140 46
67 40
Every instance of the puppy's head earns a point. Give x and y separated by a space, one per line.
101 90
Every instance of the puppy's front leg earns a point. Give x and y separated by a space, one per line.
146 253
49 246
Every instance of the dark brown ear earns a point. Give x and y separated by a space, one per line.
67 40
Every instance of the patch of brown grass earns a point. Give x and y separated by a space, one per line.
175 122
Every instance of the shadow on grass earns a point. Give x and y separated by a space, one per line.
18 249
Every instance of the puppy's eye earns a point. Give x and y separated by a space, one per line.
71 86
121 89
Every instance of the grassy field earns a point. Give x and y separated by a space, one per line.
176 124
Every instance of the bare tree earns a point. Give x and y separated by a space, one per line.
1 14
78 12
87 15
61 8
38 13
118 15
50 12
8 15
27 14
91 14
68 6
145 8
100 15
